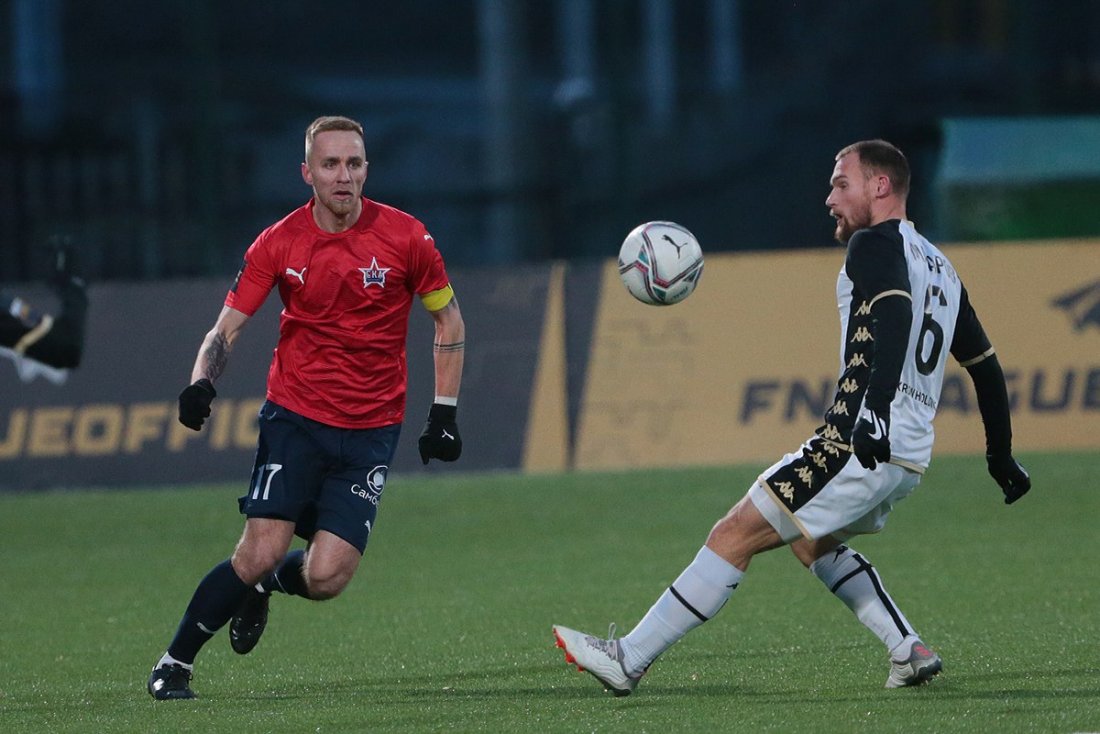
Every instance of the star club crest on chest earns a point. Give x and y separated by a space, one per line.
374 275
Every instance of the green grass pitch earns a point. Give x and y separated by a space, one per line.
447 625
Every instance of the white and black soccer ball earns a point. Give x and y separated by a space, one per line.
660 263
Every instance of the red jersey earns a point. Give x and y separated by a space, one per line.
340 358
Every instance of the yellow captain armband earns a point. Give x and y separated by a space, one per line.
435 300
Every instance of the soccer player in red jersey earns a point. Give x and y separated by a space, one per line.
347 269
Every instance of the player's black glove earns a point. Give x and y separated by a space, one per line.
195 403
440 439
871 437
1013 478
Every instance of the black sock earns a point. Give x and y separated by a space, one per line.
287 578
215 600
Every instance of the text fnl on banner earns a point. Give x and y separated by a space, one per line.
744 369
564 370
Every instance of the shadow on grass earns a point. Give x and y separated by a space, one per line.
505 683
514 683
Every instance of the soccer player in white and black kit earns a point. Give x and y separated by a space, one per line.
903 308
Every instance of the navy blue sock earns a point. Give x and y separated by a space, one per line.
288 578
215 600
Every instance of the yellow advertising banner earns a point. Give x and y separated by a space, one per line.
744 369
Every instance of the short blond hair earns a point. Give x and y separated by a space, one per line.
881 157
327 123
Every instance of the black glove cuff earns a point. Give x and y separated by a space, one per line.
207 385
443 413
868 410
880 403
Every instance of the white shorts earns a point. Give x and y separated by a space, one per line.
823 490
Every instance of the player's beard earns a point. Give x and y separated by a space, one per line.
848 224
340 207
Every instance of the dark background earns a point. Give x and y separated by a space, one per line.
164 136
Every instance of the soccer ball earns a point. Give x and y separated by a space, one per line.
660 263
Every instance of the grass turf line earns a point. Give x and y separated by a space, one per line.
447 625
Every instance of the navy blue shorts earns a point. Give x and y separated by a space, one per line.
318 476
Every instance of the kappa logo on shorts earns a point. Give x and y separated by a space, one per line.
376 482
798 481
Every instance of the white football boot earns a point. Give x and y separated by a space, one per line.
602 658
920 667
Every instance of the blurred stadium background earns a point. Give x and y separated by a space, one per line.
166 135
530 137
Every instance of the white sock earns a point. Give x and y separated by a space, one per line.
904 648
854 580
696 596
167 659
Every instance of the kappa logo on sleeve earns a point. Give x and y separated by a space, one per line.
1082 305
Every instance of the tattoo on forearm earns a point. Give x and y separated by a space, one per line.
217 354
452 347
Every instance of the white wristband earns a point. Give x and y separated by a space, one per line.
442 400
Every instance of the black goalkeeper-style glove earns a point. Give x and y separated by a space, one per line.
1013 478
440 439
195 403
871 437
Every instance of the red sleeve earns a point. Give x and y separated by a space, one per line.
255 279
427 272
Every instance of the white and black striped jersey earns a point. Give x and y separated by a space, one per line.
892 260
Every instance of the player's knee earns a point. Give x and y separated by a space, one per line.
724 532
253 564
803 553
329 565
727 539
808 551
326 583
741 534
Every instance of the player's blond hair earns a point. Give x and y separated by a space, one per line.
327 123
879 156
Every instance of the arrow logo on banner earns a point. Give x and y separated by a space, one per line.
1082 305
